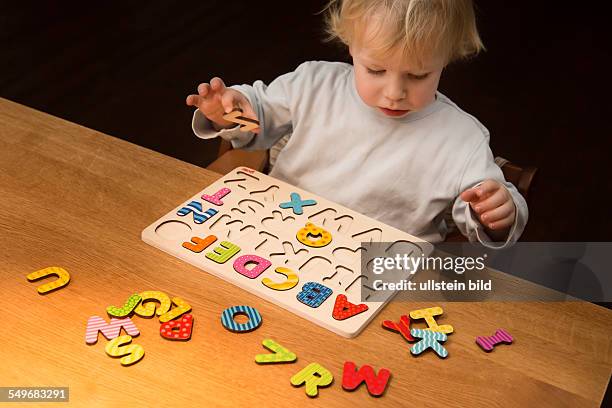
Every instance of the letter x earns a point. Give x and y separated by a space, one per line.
297 203
430 340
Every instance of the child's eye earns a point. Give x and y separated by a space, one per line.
375 72
418 77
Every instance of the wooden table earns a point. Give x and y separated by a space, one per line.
79 199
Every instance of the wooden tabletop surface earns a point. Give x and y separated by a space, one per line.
76 198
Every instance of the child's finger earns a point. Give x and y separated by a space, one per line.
487 188
469 195
203 89
230 100
217 84
495 200
194 100
501 224
497 214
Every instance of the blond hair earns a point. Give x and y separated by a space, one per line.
419 28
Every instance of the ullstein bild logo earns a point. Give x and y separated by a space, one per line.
413 264
432 285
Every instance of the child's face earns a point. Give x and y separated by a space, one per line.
395 85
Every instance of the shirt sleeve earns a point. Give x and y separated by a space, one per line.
481 166
272 105
203 128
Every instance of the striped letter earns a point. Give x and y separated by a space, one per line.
181 308
500 336
292 279
281 354
223 253
313 294
131 354
110 330
314 375
195 207
430 340
227 319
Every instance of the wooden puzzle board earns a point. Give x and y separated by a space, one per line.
251 218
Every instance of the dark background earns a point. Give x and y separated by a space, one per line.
541 88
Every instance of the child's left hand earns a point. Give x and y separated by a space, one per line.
493 204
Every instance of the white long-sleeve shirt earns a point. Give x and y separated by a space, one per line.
404 171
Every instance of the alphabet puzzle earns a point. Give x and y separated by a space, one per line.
284 244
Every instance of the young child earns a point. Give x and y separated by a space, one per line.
377 136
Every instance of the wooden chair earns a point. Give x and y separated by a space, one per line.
228 159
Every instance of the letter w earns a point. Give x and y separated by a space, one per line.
351 379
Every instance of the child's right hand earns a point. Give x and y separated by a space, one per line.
215 100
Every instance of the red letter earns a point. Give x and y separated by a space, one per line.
376 383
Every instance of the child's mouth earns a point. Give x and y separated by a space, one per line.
393 112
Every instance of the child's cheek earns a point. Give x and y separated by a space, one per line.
366 88
422 95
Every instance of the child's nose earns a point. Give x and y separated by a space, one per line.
395 91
